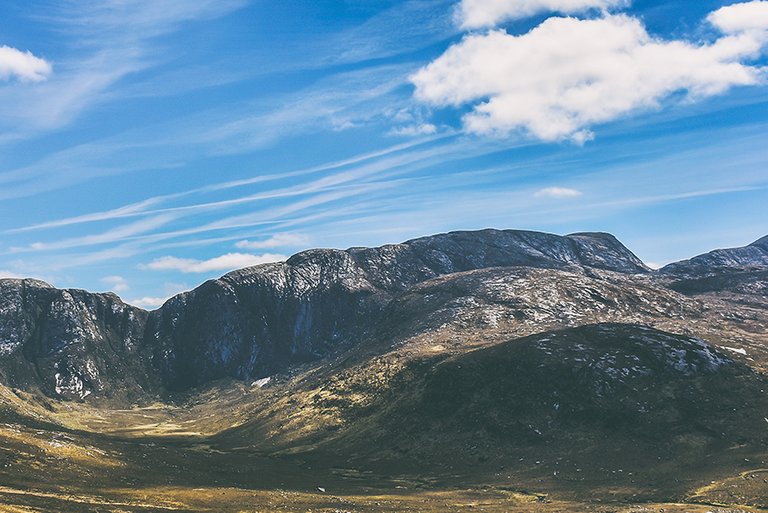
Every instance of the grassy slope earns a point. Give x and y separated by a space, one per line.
382 430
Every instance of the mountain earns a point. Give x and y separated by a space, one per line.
263 320
553 394
257 321
493 370
252 322
740 270
451 317
71 343
745 258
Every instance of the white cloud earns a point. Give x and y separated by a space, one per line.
22 65
749 16
279 240
414 130
473 14
227 262
557 192
653 265
115 283
567 75
20 274
149 302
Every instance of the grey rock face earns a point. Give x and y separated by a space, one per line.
521 301
261 320
754 256
742 271
70 343
761 243
257 321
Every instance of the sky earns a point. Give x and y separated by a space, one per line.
148 146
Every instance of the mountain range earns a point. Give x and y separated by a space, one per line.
482 357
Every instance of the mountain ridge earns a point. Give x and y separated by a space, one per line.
754 255
256 321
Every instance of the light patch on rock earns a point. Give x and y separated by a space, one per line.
261 383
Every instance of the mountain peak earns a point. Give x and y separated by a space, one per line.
753 256
595 235
761 243
29 282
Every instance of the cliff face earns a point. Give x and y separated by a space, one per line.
71 343
253 322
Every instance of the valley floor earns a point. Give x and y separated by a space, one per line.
155 466
227 500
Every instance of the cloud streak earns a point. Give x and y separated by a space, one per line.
108 40
340 180
227 262
115 234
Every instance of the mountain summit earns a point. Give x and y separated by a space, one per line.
752 256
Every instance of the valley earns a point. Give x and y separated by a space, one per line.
471 371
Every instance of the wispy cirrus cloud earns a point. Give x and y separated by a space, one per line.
351 98
108 40
152 204
338 180
338 102
282 217
113 235
416 23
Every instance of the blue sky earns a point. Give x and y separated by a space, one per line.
147 146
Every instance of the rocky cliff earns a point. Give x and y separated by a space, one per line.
71 343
